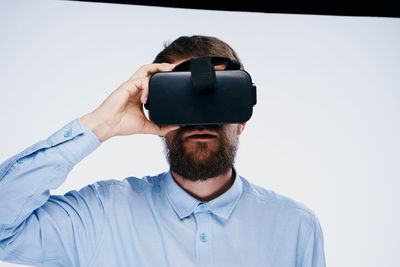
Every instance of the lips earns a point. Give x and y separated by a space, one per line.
200 134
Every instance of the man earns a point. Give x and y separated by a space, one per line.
199 213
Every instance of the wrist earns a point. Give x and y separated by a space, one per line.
101 129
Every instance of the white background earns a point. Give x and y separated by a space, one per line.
325 131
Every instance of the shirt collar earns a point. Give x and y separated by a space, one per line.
184 204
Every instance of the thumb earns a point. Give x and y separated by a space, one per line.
152 128
163 130
166 129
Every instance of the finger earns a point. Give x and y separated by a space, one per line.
145 90
156 67
152 128
137 88
164 129
147 70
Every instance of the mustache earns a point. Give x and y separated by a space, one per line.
210 127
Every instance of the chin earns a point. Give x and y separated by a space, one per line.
200 147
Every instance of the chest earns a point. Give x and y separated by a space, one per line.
149 238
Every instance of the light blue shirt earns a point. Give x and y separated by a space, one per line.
143 222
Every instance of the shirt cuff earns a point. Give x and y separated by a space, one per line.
75 141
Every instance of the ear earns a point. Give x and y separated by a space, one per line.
241 127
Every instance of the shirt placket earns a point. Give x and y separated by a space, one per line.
203 238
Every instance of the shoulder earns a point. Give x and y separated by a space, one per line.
269 201
130 184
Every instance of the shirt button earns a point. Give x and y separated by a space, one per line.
203 237
68 133
20 160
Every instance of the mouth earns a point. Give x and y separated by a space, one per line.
202 135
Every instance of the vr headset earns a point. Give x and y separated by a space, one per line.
194 93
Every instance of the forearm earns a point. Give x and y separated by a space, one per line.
26 178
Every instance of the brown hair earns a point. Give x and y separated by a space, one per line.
186 47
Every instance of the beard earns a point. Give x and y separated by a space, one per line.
204 160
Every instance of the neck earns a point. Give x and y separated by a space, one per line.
208 189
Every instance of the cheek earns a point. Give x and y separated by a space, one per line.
173 137
231 131
168 138
234 128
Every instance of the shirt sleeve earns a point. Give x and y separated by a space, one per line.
39 229
314 255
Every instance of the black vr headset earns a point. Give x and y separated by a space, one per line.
194 93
